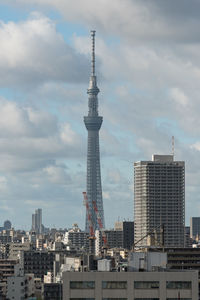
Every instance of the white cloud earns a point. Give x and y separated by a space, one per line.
179 97
195 146
31 138
57 175
33 52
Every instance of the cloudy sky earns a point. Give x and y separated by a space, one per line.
148 69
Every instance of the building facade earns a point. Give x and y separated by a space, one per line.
37 221
38 262
77 238
130 285
159 201
195 227
93 124
114 239
127 227
20 285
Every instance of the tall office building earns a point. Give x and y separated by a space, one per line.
37 221
159 201
93 124
7 225
195 227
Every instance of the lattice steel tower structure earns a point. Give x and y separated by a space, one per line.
93 124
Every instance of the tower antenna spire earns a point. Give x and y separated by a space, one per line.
173 146
93 53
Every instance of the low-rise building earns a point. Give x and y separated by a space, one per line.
76 237
20 285
130 285
52 291
114 239
16 248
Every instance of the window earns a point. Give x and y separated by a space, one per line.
114 284
147 299
179 285
146 284
82 284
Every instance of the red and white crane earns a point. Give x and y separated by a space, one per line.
100 223
90 221
89 215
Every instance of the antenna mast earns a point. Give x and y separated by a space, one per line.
93 53
173 145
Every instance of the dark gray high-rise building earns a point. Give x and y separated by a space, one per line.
93 124
194 227
127 227
7 225
159 194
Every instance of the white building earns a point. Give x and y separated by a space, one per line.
147 261
76 237
20 286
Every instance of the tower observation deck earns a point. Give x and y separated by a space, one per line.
93 124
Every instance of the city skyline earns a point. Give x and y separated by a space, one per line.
148 70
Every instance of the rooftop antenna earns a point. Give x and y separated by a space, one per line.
93 53
173 145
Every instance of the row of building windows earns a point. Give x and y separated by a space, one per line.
137 285
126 299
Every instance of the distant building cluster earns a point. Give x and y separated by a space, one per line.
59 265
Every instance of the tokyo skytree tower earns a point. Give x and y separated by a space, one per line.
93 124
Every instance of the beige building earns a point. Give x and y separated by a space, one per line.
164 285
159 201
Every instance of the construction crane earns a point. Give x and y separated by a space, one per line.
151 232
91 227
100 224
89 216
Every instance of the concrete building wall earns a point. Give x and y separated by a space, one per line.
15 248
130 285
147 261
20 287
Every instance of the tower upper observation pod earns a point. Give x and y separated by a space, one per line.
93 124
